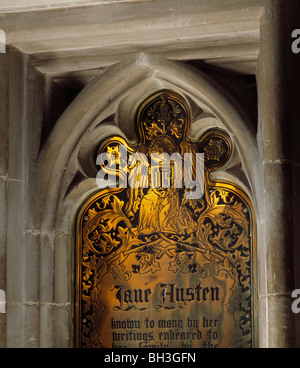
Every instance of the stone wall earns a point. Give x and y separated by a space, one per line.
73 74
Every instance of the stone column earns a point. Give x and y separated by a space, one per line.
23 249
274 135
295 98
3 185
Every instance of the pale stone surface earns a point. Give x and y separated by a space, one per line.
106 33
129 49
279 333
278 224
4 114
274 134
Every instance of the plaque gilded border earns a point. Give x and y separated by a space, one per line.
155 269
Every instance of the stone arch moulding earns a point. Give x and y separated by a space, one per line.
104 108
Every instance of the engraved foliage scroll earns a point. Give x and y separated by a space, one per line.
155 269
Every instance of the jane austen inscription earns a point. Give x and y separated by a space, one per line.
156 269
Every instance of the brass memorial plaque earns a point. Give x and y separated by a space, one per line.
155 268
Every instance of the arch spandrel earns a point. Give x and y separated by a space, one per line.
154 268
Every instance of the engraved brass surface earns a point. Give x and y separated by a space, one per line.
155 269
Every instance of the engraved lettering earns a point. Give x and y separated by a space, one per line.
172 295
129 298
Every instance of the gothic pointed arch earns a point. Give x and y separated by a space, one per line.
105 108
108 102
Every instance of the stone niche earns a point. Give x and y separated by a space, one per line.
127 84
74 75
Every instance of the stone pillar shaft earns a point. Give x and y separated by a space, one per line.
274 134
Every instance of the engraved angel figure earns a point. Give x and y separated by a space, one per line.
160 210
